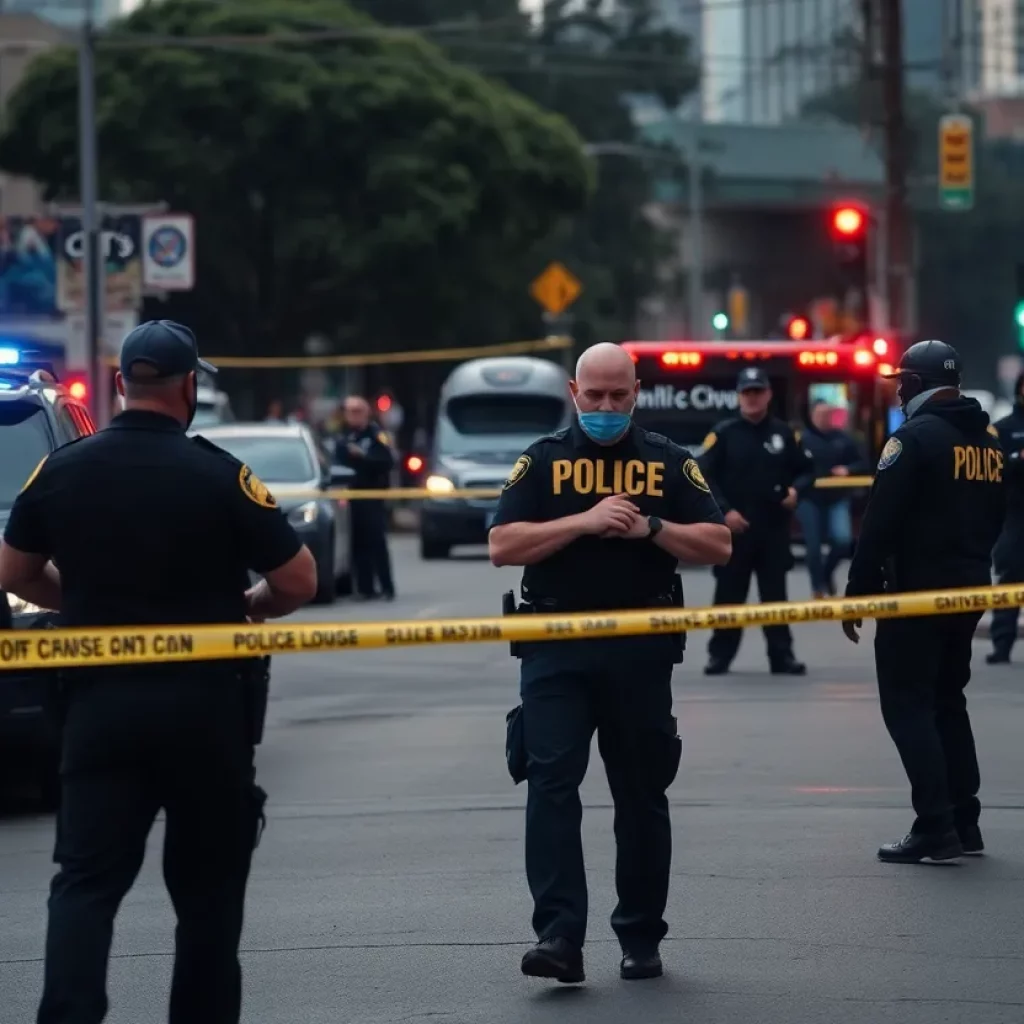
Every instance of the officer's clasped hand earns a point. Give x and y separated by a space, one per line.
850 628
614 516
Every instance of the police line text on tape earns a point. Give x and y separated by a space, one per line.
60 648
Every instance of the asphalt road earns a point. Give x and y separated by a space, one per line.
389 884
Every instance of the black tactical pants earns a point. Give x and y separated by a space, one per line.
622 688
924 666
768 556
130 749
1008 559
371 560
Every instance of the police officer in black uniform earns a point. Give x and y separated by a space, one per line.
600 514
756 466
1009 551
366 449
139 525
934 512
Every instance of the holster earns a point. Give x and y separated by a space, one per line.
515 744
509 607
255 675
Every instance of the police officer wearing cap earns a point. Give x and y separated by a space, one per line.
600 514
756 467
934 512
138 526
1008 555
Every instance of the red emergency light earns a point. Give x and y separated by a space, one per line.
383 403
847 221
414 463
78 389
675 360
818 359
880 346
862 357
799 328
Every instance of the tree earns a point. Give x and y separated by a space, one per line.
364 187
585 61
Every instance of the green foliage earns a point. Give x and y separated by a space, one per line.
364 187
584 61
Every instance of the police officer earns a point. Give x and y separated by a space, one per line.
600 514
139 525
935 510
366 449
756 466
1009 551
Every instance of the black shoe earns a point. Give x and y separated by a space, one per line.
388 595
788 667
716 667
556 958
971 841
998 658
642 964
915 847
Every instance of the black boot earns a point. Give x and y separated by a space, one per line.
788 666
971 841
641 963
716 667
998 658
915 847
556 958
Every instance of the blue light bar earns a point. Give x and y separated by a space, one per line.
9 357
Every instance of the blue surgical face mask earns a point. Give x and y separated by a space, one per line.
604 426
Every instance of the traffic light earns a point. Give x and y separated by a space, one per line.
1018 309
798 328
849 225
720 322
383 403
78 388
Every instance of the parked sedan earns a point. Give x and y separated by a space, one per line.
288 460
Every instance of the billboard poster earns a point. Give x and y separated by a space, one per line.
120 248
28 267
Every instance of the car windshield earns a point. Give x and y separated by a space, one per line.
207 416
275 460
24 443
530 415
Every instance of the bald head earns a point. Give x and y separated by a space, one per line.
357 412
605 380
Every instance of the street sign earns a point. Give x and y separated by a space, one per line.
556 289
956 162
168 252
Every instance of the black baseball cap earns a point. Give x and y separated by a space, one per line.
169 349
752 379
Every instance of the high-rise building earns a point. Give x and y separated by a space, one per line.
991 45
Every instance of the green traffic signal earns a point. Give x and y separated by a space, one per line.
1018 314
720 321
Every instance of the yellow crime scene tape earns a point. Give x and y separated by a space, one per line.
422 493
553 343
62 648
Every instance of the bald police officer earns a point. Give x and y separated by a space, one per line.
140 526
600 515
934 512
756 467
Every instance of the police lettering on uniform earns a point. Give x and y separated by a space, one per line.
366 449
756 466
140 525
600 515
934 512
1008 555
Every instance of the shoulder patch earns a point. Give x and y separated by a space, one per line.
692 473
992 430
255 489
890 453
32 476
709 441
519 470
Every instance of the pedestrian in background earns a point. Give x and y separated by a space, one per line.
824 513
367 451
1008 556
139 525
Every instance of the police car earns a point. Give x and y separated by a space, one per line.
37 415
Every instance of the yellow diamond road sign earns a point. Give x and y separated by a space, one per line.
556 289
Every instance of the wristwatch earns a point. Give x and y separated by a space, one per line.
655 524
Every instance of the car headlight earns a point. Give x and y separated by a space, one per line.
304 514
439 485
19 606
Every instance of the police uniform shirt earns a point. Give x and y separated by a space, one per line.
149 526
936 506
751 466
565 474
1010 430
372 468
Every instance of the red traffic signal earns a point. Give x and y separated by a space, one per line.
383 403
798 328
78 388
848 221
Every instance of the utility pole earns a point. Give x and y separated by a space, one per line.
696 220
99 397
897 213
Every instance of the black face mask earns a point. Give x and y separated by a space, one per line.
192 401
910 387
